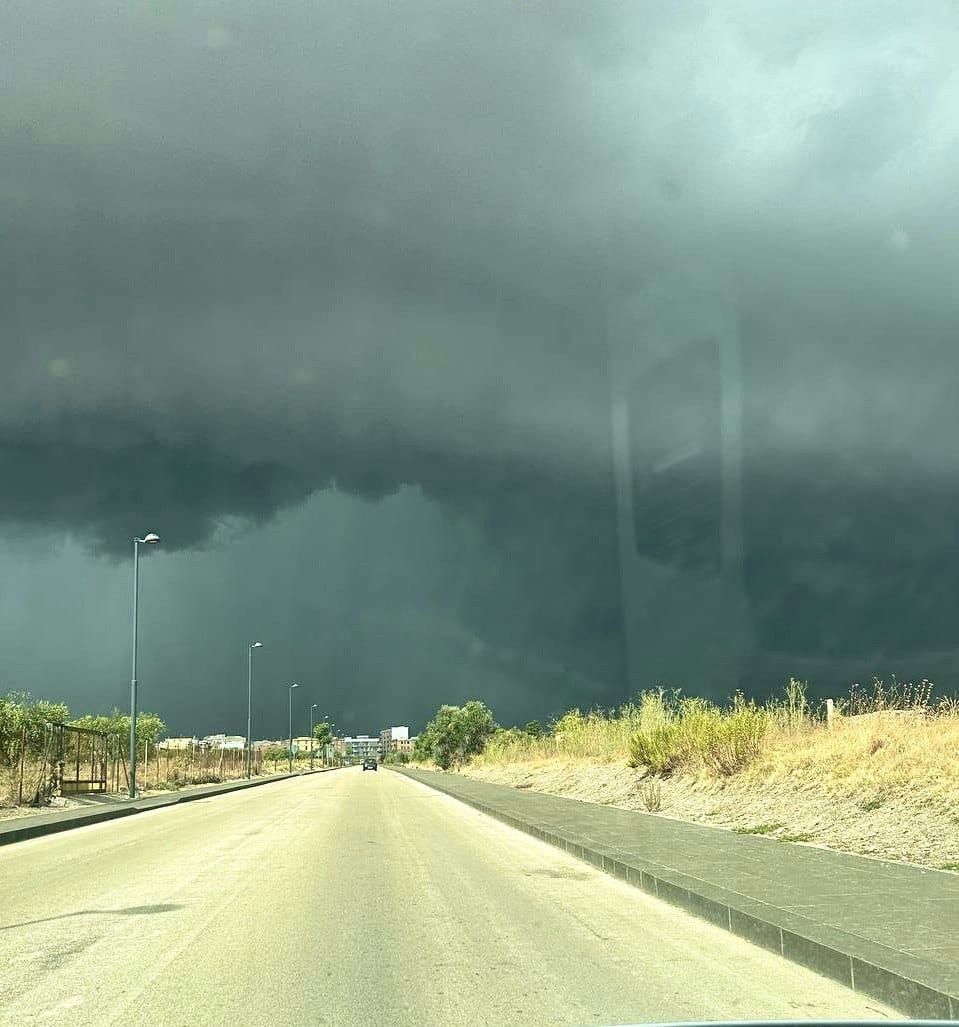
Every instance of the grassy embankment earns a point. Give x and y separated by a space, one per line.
881 779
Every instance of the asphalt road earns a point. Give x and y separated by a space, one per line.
352 898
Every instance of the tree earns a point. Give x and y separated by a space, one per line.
150 726
455 734
534 729
22 715
477 725
323 734
276 753
424 748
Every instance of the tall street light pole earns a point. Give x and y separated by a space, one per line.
147 540
312 708
249 712
291 725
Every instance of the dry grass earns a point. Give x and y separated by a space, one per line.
872 759
662 731
596 735
882 780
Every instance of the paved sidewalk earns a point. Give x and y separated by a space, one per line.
110 807
886 929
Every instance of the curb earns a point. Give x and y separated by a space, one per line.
772 929
44 825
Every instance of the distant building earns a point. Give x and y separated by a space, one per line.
302 744
224 741
177 743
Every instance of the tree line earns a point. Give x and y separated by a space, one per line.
25 721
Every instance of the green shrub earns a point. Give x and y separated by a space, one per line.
695 733
654 749
737 738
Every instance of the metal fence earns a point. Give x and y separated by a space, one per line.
65 760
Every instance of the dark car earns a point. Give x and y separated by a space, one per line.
369 763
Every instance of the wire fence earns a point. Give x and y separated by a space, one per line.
61 760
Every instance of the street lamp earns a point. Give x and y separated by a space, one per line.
249 712
328 747
291 725
147 540
312 708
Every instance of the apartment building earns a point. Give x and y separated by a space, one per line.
357 747
395 739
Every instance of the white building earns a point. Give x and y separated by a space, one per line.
177 743
224 741
358 746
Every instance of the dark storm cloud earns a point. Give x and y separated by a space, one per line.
247 256
249 253
244 259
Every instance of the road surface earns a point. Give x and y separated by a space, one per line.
359 898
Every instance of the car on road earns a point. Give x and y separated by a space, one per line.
369 763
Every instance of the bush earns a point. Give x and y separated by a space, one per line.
397 757
678 730
276 754
654 749
696 733
738 739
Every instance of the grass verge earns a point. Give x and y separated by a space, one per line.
881 778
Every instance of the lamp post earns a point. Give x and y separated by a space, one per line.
291 725
249 712
312 708
147 540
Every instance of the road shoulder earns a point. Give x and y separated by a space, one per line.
887 930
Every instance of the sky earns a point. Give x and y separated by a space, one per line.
339 300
